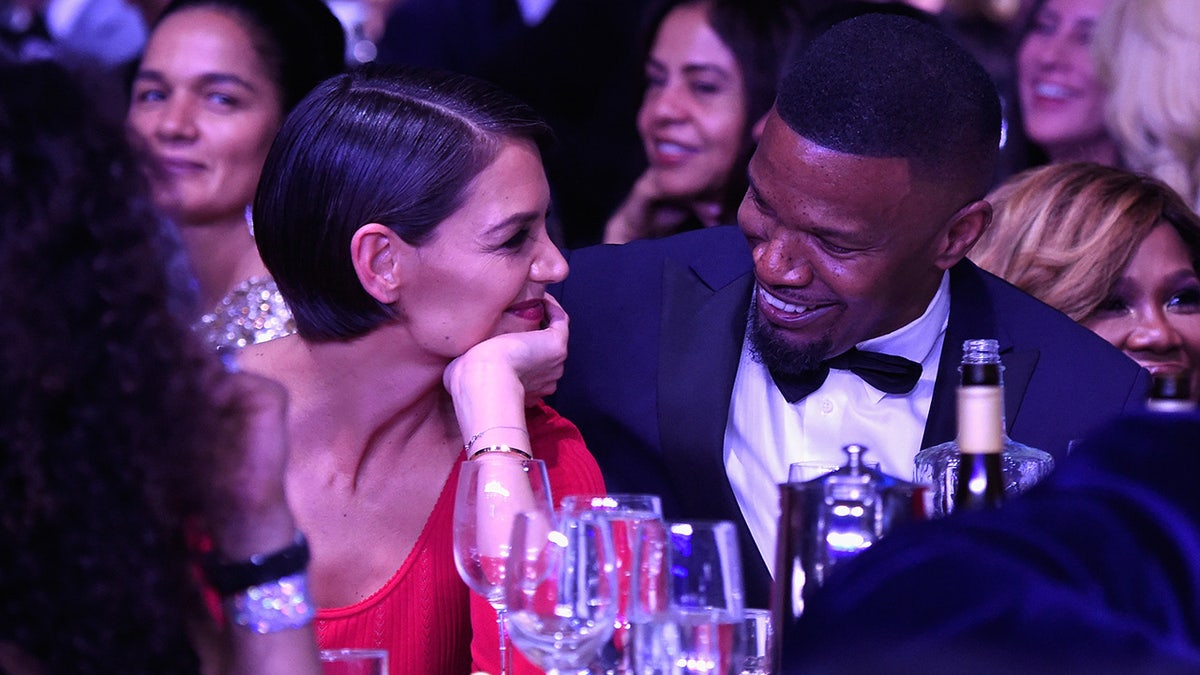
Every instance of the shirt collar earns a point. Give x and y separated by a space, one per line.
920 339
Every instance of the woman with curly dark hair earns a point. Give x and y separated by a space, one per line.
119 434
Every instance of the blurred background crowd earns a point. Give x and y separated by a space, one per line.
1070 83
652 109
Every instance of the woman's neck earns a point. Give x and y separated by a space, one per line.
1101 150
221 255
362 399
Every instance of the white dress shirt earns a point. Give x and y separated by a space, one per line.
765 434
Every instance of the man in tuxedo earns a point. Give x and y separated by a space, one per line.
700 366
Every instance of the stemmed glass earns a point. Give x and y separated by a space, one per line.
492 491
561 588
802 472
758 638
688 603
626 514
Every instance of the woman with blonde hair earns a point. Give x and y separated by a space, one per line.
1114 250
1061 98
1148 56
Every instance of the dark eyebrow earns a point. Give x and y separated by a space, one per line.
755 194
816 229
706 69
523 219
1182 276
206 79
693 68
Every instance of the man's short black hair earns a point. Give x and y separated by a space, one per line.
884 85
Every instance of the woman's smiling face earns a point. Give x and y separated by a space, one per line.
1062 103
206 109
693 114
1153 311
485 270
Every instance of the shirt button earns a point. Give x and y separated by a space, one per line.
826 406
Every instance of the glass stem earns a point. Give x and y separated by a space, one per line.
502 624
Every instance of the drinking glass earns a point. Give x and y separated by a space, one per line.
492 491
757 639
688 602
626 515
802 472
561 588
354 662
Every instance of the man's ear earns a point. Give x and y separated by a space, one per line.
961 232
378 254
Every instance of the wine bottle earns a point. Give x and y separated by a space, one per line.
982 465
980 397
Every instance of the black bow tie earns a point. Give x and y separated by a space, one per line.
887 373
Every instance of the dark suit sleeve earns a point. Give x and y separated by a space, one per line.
1096 570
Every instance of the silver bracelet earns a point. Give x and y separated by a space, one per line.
500 448
471 442
282 604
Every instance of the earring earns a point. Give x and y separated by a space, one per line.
249 215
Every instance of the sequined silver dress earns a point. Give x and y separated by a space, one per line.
251 313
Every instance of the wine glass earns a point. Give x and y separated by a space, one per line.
561 588
626 514
492 491
688 603
802 472
757 638
354 662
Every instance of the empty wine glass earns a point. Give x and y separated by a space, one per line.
626 515
688 603
492 491
561 588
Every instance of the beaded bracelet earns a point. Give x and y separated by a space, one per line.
500 448
469 443
281 604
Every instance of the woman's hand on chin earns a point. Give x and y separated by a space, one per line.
526 364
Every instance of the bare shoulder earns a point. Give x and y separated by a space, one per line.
275 359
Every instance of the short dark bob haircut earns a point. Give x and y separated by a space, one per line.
395 145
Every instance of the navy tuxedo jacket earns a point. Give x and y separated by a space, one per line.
656 334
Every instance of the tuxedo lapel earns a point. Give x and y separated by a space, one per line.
972 317
702 334
704 326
